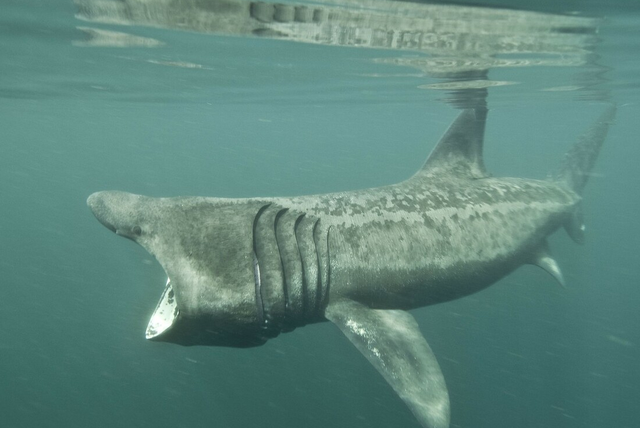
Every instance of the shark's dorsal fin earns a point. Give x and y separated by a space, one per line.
459 151
391 341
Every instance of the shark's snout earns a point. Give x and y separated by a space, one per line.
118 212
100 209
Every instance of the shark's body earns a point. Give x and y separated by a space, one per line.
243 270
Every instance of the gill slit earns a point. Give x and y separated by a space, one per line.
325 299
303 264
285 288
256 269
318 261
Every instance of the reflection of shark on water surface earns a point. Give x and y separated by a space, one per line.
458 39
241 271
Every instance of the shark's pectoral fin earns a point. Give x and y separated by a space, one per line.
392 342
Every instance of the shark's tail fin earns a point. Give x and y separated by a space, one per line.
577 164
579 160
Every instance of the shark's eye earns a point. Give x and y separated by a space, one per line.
136 230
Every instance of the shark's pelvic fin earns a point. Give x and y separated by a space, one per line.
542 258
391 341
459 151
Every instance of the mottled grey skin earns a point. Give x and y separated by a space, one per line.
243 270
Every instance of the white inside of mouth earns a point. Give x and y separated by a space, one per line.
164 315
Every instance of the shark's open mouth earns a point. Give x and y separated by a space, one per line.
164 315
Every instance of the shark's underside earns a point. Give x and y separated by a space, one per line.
241 271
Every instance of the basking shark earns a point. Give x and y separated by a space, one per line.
242 271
